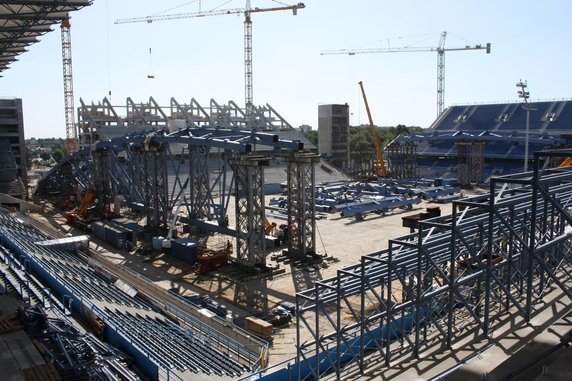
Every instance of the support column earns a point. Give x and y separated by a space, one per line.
101 180
402 161
249 193
199 181
463 162
470 161
156 205
301 204
478 162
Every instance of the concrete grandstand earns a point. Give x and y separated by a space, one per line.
470 143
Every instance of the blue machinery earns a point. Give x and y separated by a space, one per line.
147 169
496 254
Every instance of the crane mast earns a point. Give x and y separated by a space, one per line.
441 74
440 60
248 92
247 11
71 134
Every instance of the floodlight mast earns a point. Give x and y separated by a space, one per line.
524 94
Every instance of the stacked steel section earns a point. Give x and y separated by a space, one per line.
496 255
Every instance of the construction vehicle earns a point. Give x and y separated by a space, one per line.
269 228
566 162
380 170
79 217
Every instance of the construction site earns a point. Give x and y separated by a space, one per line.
213 240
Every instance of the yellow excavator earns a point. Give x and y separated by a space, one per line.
380 169
79 217
566 163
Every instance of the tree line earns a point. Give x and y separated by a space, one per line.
361 139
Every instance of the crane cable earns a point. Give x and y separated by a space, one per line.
150 74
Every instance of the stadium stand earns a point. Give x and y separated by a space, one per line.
499 128
155 337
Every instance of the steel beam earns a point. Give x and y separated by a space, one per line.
495 255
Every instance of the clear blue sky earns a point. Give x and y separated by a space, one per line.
203 57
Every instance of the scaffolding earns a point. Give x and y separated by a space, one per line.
200 184
301 204
496 256
471 161
402 160
249 207
148 171
102 120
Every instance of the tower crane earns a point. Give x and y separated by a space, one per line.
440 60
71 134
247 11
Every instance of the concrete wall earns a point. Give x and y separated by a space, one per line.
334 133
23 206
12 128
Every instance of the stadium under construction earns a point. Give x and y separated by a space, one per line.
213 241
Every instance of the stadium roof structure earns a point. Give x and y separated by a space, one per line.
490 136
553 117
23 21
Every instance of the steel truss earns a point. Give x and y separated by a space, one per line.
96 120
402 160
471 161
301 204
249 193
148 171
496 255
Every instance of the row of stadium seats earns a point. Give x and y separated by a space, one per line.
544 117
159 338
176 346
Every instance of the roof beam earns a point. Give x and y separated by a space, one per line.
58 3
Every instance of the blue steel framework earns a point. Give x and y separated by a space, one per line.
100 118
496 254
141 168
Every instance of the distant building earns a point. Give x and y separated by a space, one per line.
334 133
12 148
305 128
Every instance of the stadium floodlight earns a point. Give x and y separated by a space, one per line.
524 94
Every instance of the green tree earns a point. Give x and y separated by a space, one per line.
312 136
58 154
